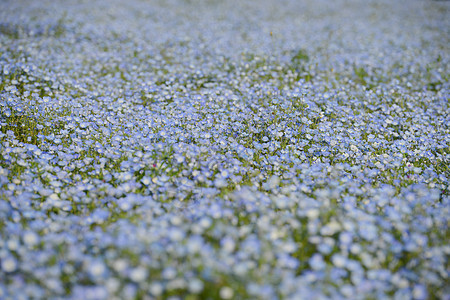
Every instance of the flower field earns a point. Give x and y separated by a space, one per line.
224 149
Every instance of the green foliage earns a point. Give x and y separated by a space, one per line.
300 57
24 128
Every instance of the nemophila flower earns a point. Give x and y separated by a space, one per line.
138 274
169 273
9 264
226 293
30 238
99 216
339 260
195 285
272 183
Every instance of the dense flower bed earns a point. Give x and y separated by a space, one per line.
224 149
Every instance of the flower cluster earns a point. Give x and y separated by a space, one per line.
224 150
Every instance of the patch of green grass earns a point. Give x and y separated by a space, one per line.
24 127
300 57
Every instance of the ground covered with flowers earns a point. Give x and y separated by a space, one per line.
224 149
